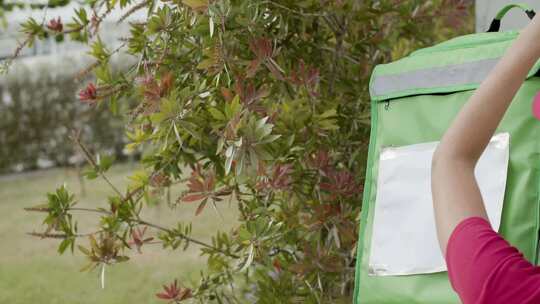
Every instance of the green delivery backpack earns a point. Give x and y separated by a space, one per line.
414 101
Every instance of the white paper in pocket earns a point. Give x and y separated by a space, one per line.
404 240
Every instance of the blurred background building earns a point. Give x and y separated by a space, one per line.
515 19
110 34
38 97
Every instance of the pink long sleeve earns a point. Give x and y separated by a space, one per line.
484 268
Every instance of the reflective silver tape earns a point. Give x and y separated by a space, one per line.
438 77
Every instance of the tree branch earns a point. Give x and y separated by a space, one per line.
77 140
138 221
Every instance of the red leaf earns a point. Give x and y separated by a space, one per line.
274 70
55 25
253 67
326 186
227 94
166 83
163 296
193 197
196 185
201 207
277 265
185 293
196 181
89 94
210 183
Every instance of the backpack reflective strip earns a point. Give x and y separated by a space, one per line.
438 77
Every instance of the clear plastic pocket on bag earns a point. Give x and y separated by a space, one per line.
404 240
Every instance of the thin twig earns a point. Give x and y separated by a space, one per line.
133 10
292 10
76 138
159 227
58 235
83 73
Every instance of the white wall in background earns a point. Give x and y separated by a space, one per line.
515 19
110 31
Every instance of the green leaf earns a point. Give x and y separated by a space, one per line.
82 16
84 250
271 138
228 161
216 114
65 244
88 267
113 105
261 122
122 258
206 63
139 179
211 25
103 73
90 174
220 145
244 234
105 162
196 4
99 51
93 243
328 113
249 259
233 107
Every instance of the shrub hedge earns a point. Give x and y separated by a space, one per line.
39 109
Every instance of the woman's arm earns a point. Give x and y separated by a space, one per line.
455 191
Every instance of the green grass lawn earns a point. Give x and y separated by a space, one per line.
31 271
